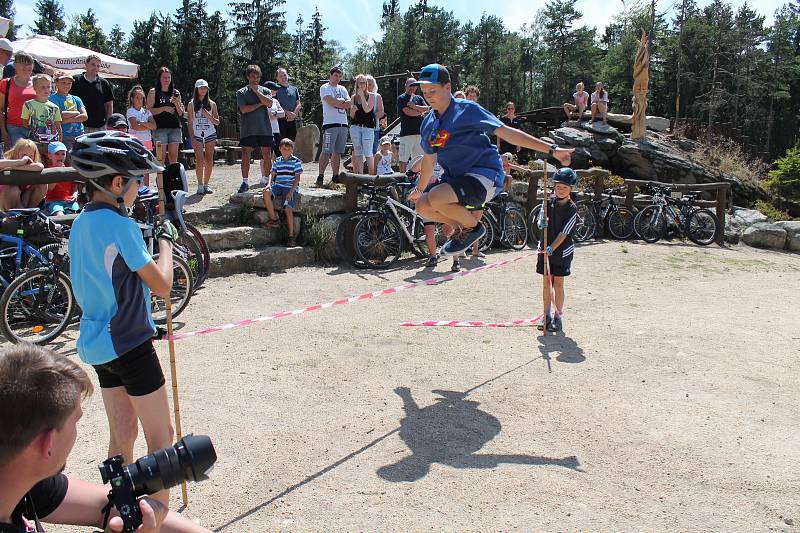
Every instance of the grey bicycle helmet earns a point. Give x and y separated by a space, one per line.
112 153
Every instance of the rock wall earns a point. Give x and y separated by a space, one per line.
659 157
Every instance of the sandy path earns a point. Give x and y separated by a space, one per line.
670 405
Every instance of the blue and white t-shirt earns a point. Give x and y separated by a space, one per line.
106 249
285 171
461 141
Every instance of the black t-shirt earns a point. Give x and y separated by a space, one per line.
561 218
165 119
503 146
42 500
364 119
409 125
94 94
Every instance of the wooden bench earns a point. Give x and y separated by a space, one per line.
187 156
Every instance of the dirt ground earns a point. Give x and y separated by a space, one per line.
669 403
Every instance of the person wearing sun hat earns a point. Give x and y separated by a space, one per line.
456 135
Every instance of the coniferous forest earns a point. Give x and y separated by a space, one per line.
722 66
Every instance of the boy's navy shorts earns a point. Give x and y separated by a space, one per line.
560 269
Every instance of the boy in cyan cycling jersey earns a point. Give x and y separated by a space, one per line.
112 275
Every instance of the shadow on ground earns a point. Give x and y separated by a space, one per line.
450 432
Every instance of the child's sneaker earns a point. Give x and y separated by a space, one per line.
208 190
290 243
456 267
557 324
461 241
542 323
320 182
201 190
551 324
431 262
243 187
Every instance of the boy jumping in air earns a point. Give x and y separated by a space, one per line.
456 134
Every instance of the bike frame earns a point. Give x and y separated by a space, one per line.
393 204
22 247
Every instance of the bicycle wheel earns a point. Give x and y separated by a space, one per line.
420 245
515 229
487 241
702 227
650 224
620 223
378 240
191 252
180 295
586 224
534 233
345 240
37 306
194 234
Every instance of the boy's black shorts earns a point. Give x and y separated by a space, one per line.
138 371
556 269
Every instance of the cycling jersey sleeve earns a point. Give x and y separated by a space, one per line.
131 246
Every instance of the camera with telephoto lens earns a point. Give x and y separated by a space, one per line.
191 458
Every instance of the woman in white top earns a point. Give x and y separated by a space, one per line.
275 112
380 116
203 119
141 123
600 102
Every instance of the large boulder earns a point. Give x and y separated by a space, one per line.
765 235
792 227
748 217
305 144
590 146
313 202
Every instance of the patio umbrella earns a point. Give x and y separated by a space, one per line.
59 55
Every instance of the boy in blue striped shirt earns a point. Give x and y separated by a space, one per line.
284 185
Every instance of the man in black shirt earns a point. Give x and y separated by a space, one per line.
410 107
96 93
38 432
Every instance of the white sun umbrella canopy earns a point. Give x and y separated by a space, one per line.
59 55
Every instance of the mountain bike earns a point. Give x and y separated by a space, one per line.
506 224
677 214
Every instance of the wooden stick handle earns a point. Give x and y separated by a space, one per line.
173 365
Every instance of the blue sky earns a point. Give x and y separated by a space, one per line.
347 20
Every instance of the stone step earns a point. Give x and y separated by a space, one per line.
257 260
222 215
314 202
232 238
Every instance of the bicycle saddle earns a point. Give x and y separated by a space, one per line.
175 213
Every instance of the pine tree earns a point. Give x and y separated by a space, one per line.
191 20
260 33
391 10
116 40
51 18
85 31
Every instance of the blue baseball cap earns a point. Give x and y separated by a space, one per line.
433 73
56 147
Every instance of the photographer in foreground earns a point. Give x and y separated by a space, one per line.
45 390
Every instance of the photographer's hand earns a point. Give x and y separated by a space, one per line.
153 514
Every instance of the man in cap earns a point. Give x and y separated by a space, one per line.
411 108
456 135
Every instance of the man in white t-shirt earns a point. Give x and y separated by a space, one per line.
335 105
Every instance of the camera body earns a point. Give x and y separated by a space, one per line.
191 458
122 495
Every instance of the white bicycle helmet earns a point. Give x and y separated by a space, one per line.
112 153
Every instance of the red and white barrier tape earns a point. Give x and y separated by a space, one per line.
477 324
352 299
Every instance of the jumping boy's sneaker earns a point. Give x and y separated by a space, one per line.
461 241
